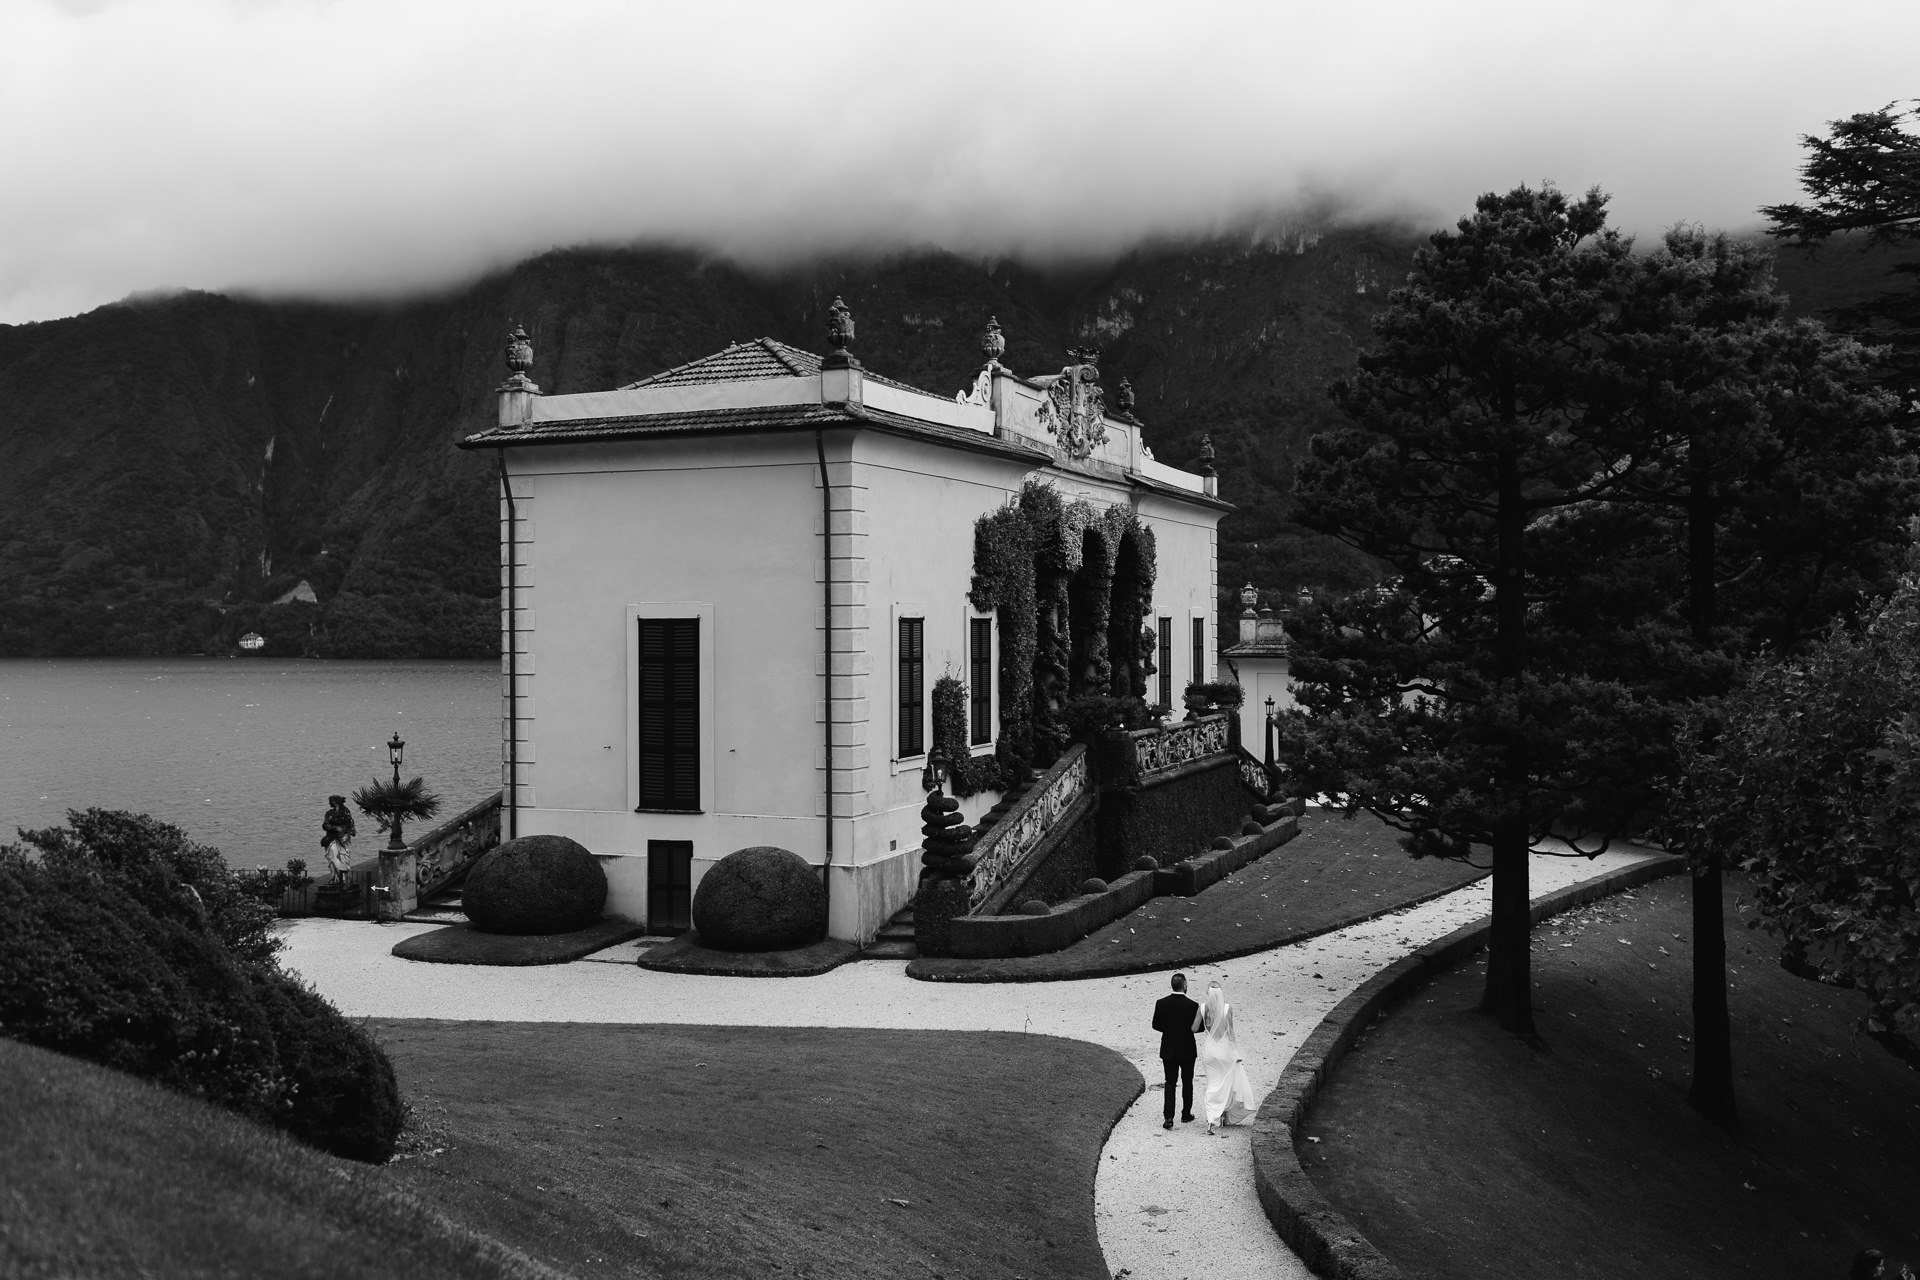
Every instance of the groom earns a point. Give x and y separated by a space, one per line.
1173 1019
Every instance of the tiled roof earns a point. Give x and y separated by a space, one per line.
746 361
741 362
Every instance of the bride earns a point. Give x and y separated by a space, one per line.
1229 1095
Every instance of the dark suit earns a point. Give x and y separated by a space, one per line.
1173 1019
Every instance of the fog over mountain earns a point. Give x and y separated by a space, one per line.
347 148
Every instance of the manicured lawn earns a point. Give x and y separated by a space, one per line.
1462 1152
106 1175
696 1152
1336 872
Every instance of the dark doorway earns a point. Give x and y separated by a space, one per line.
669 886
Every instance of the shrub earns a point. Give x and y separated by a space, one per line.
170 875
106 955
536 884
760 899
1089 714
338 1090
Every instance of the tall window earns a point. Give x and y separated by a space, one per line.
669 713
980 678
913 682
1199 649
1165 653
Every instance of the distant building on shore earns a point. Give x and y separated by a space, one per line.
729 589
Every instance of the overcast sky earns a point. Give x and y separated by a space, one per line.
345 146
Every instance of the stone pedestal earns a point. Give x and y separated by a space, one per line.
400 877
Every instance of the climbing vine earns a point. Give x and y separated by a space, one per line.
1030 568
966 775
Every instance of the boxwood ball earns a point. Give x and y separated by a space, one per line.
536 884
760 899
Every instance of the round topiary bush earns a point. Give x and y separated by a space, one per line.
1146 862
760 899
1093 884
1223 842
536 884
1251 828
1034 907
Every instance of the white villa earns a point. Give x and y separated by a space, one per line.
728 590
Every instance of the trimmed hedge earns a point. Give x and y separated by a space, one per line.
117 960
535 885
760 898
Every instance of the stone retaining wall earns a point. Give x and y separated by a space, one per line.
1310 1225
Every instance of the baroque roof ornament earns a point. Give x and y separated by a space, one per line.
519 351
993 343
839 326
1075 410
1123 398
1206 455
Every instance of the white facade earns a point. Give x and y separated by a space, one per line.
696 495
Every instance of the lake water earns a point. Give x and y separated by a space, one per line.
241 753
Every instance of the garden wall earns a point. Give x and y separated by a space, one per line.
1175 815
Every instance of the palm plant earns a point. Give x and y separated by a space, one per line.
392 803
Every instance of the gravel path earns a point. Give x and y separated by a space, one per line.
1170 1206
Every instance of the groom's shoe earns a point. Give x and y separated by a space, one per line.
1185 1119
1168 1124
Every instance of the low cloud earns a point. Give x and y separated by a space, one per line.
380 146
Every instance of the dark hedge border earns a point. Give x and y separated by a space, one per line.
686 954
465 944
1167 882
1305 1219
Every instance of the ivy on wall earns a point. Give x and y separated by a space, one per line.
965 774
1046 567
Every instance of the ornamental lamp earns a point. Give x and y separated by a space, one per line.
396 752
934 776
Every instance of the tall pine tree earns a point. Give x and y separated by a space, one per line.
1442 702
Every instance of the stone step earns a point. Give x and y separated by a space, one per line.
886 949
894 933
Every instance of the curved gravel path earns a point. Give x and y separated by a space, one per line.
1169 1206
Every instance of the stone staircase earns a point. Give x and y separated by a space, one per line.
895 939
442 908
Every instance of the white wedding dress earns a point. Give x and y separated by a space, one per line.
1229 1093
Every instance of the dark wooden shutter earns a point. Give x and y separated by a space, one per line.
1165 658
980 678
1199 649
669 713
913 679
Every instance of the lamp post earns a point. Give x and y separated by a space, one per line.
1269 733
396 751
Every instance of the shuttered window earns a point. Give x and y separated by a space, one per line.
913 681
1165 659
669 713
980 678
1199 650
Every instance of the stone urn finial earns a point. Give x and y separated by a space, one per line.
1206 456
839 326
519 351
993 343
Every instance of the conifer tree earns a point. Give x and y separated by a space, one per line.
1443 702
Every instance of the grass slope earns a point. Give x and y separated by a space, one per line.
1463 1152
1336 872
105 1175
697 1152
